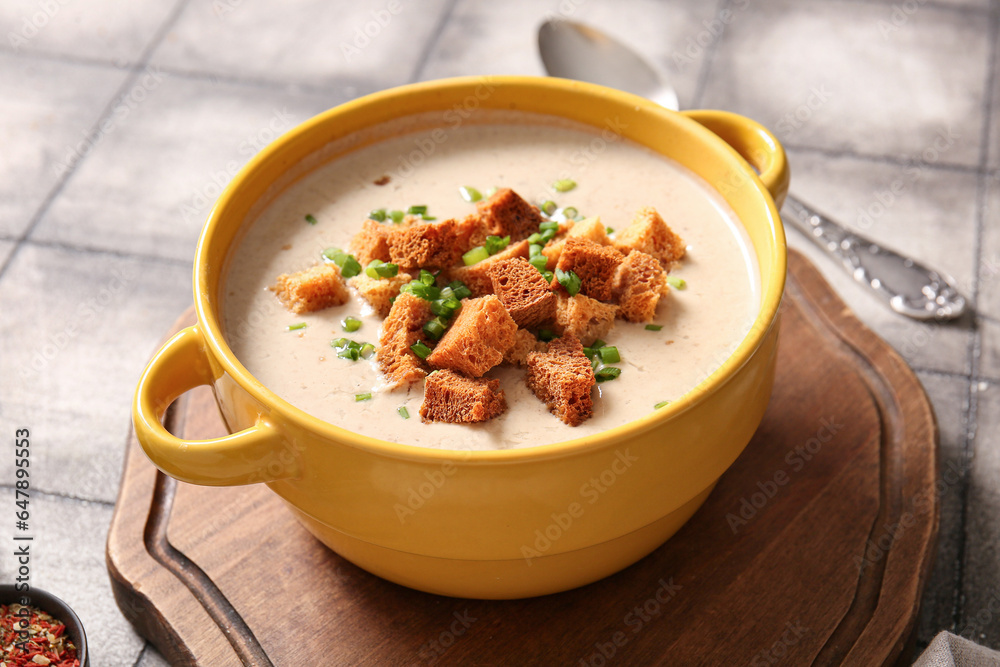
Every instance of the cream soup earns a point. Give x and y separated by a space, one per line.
701 324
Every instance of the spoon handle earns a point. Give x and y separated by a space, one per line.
910 288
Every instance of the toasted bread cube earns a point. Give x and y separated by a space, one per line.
506 213
523 291
372 242
639 284
456 399
650 234
477 339
477 277
585 318
562 378
591 229
473 227
429 244
593 263
379 292
524 344
402 328
310 290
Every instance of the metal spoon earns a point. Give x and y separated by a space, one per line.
575 51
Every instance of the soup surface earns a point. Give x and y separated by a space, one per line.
702 324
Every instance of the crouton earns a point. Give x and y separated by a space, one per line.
524 344
523 291
591 229
639 284
456 399
477 338
310 290
477 276
372 242
429 244
562 378
473 227
650 234
585 318
593 263
379 292
506 213
401 329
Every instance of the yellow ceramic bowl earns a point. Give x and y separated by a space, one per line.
494 524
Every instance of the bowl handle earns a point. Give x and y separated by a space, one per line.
255 454
754 143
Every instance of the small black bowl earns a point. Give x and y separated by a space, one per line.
56 608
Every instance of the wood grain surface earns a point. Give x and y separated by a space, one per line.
813 549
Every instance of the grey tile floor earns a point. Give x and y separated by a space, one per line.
120 121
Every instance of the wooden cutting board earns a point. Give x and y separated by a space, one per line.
813 549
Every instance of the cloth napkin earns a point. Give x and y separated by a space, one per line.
948 650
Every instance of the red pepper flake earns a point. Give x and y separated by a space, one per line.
30 637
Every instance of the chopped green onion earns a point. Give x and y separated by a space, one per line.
447 293
362 397
339 342
427 278
425 292
396 215
570 213
550 224
367 350
569 280
350 324
661 404
539 262
534 249
311 219
589 352
546 335
461 291
470 194
653 327
548 276
297 326
435 328
349 352
609 355
403 412
420 349
476 255
607 373
495 244
535 239
676 283
609 230
378 269
417 210
564 185
597 344
377 215
595 363
445 307
549 207
348 265
424 216
490 192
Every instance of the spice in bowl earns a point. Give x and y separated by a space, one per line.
32 637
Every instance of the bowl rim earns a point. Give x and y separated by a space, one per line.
55 607
211 331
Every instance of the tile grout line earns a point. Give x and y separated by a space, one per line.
135 70
975 345
93 250
889 159
432 40
706 65
62 496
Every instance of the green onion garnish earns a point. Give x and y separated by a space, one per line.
420 349
377 215
427 278
549 225
548 276
653 327
396 215
564 185
569 280
597 344
445 307
378 269
607 373
549 207
417 210
350 324
470 194
534 249
350 352
609 355
311 219
589 352
570 213
661 404
348 265
362 397
476 255
427 217
609 230
435 328
296 326
403 412
339 342
539 261
460 290
495 244
418 289
546 335
676 283
367 350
